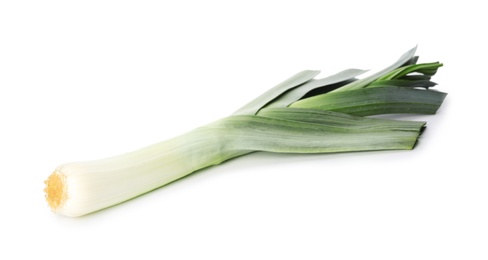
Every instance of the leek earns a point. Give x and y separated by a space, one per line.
300 115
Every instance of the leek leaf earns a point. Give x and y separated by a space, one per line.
405 58
253 107
375 101
403 83
428 69
297 93
258 133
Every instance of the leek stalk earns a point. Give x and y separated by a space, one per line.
300 115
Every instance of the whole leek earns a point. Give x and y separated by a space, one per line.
300 115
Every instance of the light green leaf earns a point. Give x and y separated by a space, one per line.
405 58
253 107
297 93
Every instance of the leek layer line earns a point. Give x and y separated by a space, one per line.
299 115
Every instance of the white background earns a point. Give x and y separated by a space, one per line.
83 80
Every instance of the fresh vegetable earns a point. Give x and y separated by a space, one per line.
300 115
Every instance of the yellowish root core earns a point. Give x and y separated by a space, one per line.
55 190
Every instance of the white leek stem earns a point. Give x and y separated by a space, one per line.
79 188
